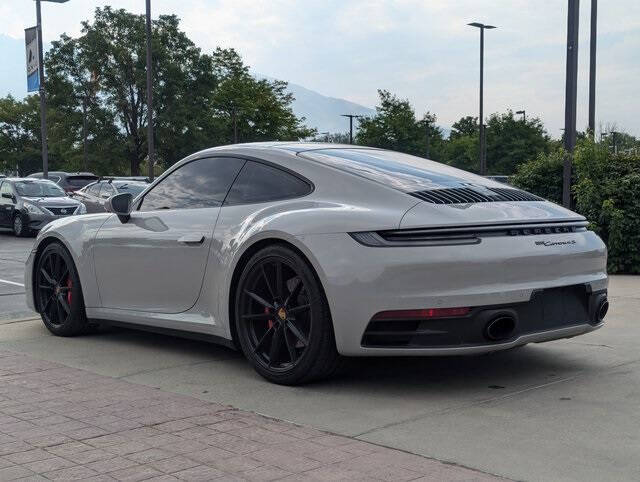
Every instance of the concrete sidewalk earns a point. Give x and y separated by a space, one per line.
61 423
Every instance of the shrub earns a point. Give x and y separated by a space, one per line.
607 193
542 176
606 190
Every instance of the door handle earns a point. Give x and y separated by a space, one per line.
196 238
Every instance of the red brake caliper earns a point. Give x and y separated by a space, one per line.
270 322
69 290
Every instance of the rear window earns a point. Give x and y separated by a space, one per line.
401 171
80 181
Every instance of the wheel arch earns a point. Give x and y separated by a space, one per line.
242 262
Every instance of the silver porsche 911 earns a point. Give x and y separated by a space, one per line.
301 253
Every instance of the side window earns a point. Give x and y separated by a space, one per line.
201 183
259 183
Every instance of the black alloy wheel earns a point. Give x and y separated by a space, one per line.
58 292
282 318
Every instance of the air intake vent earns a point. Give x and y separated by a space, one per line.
467 195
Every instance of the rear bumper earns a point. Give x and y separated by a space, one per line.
538 337
361 281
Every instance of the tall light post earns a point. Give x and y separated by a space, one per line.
483 160
524 114
570 100
592 68
149 94
42 93
351 117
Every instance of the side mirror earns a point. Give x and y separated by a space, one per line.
121 205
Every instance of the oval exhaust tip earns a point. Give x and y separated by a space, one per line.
603 308
500 328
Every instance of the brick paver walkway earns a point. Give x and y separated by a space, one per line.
61 423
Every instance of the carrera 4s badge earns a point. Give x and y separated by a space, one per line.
554 243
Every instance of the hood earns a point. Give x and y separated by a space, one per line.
52 201
426 214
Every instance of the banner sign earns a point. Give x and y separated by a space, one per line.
33 66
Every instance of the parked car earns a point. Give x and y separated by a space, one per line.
300 253
26 204
69 181
95 195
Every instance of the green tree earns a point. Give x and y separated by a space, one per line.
250 109
113 51
395 127
462 152
19 133
511 142
466 126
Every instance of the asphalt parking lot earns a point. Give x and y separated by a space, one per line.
565 410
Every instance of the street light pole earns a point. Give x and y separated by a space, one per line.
351 117
573 18
43 100
41 90
592 68
483 160
149 93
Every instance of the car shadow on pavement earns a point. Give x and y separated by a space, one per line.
395 375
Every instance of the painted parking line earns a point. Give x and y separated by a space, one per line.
11 282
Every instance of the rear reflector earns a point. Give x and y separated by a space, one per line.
421 314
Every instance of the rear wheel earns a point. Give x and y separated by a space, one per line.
282 319
58 293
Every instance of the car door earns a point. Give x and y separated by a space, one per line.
89 196
155 262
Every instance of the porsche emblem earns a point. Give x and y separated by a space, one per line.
282 314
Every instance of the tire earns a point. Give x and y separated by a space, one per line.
282 320
58 293
19 228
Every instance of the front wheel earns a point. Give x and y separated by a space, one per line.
282 318
58 293
19 228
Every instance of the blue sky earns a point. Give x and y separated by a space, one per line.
420 50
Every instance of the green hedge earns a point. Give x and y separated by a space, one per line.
606 190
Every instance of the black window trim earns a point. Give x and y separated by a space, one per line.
244 158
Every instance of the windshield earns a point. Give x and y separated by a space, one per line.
132 187
38 189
